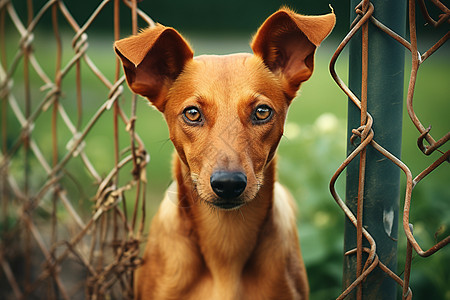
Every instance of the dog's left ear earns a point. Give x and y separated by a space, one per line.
287 41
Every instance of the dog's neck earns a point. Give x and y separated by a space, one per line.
226 239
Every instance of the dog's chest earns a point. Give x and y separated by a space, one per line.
260 286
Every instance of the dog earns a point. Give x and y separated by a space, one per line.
225 228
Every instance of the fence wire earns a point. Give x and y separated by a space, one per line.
364 12
100 249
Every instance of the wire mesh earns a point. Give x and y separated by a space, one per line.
51 248
364 12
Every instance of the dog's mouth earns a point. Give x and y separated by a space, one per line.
222 204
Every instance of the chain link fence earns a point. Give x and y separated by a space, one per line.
55 246
365 14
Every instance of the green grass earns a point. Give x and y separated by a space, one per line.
310 152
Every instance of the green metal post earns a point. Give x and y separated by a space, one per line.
382 177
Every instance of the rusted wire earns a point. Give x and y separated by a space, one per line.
442 18
108 255
364 12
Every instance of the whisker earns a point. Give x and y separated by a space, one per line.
242 214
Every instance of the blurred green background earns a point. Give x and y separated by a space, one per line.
315 137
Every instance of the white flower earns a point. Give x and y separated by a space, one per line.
326 123
291 130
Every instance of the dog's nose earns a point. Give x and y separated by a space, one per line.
228 185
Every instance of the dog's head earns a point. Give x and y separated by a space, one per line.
225 113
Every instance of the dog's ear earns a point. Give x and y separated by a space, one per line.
152 60
287 41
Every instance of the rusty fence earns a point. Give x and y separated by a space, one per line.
366 12
53 246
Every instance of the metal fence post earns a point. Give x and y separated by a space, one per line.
380 177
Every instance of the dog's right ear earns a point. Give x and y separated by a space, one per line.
152 60
287 42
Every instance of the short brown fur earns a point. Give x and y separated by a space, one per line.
203 245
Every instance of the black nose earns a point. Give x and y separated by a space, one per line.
228 185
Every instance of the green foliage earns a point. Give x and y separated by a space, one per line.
307 161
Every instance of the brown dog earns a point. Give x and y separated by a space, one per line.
225 229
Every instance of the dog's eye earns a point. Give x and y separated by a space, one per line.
262 113
192 115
